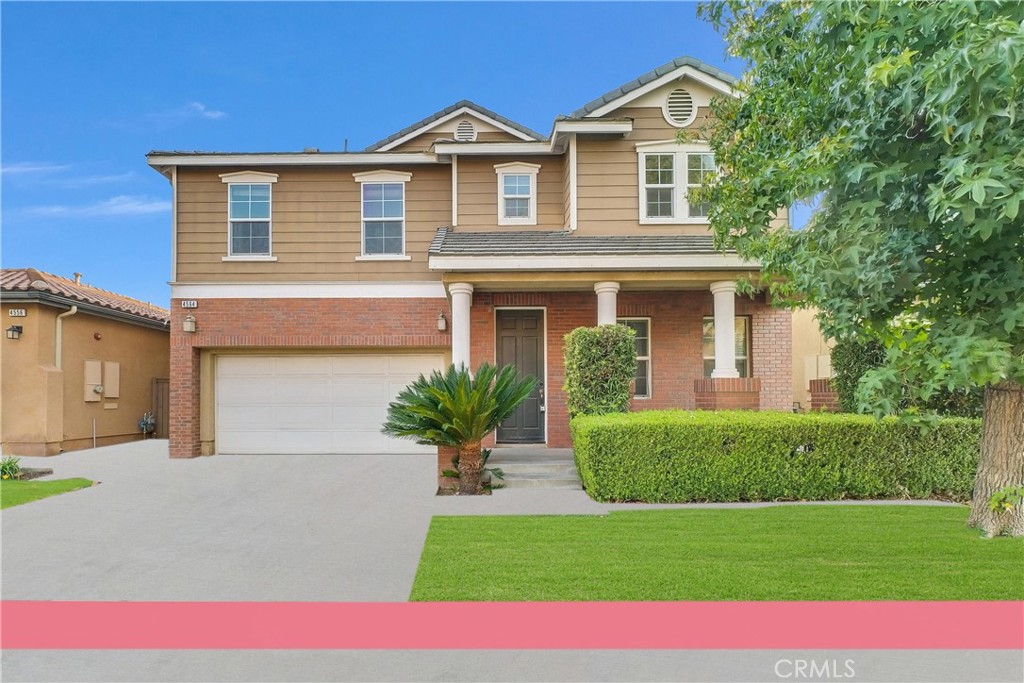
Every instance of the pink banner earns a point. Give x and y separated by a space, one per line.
525 625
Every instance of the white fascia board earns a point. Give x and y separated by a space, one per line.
585 126
687 71
297 159
448 117
308 290
593 262
492 148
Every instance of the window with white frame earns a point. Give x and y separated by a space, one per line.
249 214
642 328
669 172
517 193
382 201
742 345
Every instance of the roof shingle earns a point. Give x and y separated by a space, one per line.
449 242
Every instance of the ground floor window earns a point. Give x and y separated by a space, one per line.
642 327
742 345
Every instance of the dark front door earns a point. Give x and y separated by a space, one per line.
521 343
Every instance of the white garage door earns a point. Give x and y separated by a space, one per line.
313 404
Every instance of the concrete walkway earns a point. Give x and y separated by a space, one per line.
287 528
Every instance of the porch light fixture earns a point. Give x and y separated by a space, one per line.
14 332
442 322
189 325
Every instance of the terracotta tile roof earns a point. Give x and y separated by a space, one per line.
30 279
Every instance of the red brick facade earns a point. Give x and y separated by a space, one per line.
823 395
277 324
676 354
324 324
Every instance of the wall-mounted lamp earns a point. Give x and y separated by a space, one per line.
14 332
442 322
189 325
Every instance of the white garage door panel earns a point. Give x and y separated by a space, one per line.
313 404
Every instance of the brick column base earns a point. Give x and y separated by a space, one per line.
727 393
824 396
444 462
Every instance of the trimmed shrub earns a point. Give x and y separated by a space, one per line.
852 357
679 456
600 364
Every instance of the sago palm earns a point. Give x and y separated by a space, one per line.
455 408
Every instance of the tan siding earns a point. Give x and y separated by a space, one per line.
566 189
316 230
478 192
608 181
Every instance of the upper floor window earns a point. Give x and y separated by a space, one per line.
249 214
642 328
517 193
742 345
668 174
383 213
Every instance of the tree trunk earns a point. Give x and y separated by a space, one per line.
471 464
1002 459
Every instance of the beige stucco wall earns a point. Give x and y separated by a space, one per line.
43 409
810 354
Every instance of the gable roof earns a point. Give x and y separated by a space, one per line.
629 91
462 106
31 281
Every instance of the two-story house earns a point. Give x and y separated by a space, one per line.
309 288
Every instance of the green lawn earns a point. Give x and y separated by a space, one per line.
779 553
18 492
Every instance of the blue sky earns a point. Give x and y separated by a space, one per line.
89 88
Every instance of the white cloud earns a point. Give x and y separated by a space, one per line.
121 205
90 180
31 167
184 113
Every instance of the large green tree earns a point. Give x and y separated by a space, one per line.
906 120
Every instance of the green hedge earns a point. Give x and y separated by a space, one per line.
679 456
600 364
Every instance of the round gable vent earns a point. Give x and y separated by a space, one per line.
679 108
465 132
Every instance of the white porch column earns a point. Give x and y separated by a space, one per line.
607 310
462 300
725 329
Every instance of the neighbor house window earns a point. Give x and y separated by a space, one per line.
383 213
668 174
249 214
742 345
517 193
642 327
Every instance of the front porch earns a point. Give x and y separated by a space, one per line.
682 366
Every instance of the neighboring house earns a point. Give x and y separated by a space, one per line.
812 363
81 365
316 285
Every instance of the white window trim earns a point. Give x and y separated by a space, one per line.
680 201
251 178
517 168
749 345
648 357
374 178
